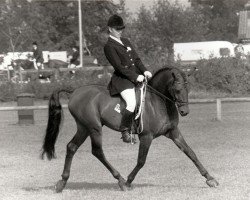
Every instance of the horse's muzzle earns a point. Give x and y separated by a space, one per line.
183 110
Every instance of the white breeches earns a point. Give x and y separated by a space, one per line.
129 96
72 66
38 65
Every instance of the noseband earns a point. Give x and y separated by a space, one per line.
176 101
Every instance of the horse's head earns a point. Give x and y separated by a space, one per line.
179 91
172 83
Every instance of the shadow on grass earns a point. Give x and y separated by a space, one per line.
88 186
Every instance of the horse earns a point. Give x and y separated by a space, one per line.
23 63
92 107
56 64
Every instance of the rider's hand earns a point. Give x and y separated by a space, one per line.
148 74
140 78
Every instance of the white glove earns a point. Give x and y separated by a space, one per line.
148 74
140 78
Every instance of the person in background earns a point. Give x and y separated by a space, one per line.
37 56
129 70
74 61
239 51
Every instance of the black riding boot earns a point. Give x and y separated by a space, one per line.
126 124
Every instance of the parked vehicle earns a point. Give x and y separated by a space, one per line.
191 52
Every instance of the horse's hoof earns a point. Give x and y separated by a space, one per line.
60 185
122 184
212 183
129 186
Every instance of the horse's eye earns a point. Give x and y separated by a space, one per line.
178 87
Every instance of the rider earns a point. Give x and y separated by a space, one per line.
38 56
129 70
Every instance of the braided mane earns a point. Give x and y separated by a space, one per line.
165 68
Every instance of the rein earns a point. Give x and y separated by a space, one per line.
143 93
160 94
180 103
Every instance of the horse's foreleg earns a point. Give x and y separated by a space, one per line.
72 147
181 143
97 151
145 142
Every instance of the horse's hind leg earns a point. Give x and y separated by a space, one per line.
97 151
72 147
181 143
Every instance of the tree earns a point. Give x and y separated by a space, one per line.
159 28
54 24
14 30
62 24
222 17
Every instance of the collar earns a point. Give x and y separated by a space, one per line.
116 39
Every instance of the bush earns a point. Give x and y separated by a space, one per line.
9 90
216 77
227 75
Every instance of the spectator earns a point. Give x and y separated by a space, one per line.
239 51
37 56
75 60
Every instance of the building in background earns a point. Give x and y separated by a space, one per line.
244 25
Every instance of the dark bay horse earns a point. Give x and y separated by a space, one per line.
56 64
24 63
92 107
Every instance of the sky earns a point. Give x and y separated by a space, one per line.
134 5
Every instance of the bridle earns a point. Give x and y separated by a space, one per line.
176 101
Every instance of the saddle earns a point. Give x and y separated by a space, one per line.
137 124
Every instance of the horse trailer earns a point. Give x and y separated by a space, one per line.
191 52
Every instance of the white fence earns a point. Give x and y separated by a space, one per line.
191 101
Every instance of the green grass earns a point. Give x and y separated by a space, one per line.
222 147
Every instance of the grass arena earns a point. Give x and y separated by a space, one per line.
223 148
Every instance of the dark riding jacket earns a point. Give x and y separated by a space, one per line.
38 55
75 58
126 62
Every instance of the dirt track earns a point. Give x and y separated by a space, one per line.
222 147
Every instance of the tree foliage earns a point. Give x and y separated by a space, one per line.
156 29
15 31
222 17
54 24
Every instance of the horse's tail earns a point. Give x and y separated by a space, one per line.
53 125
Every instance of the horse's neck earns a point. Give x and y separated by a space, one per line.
165 108
161 83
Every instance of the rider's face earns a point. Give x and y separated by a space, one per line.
116 33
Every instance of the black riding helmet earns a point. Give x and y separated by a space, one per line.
115 21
